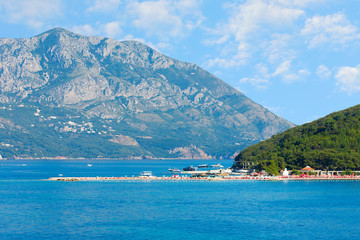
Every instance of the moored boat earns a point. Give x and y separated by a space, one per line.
190 168
243 171
146 174
217 166
203 166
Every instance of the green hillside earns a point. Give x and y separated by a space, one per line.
332 143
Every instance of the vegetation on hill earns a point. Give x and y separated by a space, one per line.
330 143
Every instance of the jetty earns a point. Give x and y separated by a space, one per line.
228 174
210 178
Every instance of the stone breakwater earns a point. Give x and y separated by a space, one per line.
222 178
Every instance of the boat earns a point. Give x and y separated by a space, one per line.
190 168
217 165
203 166
146 174
89 165
174 170
243 170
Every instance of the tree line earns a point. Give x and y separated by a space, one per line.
330 143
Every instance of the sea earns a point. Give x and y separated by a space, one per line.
33 208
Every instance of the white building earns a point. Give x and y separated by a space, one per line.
285 173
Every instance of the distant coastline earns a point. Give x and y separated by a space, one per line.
129 158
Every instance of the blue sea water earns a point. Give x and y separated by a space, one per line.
31 208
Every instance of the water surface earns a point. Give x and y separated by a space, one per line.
34 209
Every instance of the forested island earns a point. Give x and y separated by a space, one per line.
329 143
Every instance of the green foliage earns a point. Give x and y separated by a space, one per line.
295 172
330 143
347 172
269 166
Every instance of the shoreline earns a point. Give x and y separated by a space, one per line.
120 159
224 178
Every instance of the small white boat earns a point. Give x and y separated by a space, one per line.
243 171
146 174
217 166
203 166
174 170
89 165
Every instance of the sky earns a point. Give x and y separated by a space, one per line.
298 58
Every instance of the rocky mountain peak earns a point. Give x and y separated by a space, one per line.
133 85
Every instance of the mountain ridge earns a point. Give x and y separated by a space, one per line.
138 89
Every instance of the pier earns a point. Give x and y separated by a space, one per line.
216 178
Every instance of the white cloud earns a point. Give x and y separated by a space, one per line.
348 79
257 82
104 5
261 80
300 3
300 75
164 46
323 72
240 54
305 3
249 24
164 18
288 75
112 29
249 17
130 37
304 73
221 40
86 29
277 49
332 29
283 68
262 69
224 62
34 13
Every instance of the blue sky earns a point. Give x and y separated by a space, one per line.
298 58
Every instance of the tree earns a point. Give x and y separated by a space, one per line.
330 143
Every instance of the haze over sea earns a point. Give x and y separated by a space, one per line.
31 208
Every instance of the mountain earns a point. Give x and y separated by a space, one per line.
64 94
332 142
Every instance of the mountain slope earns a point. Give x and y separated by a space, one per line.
137 101
332 142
